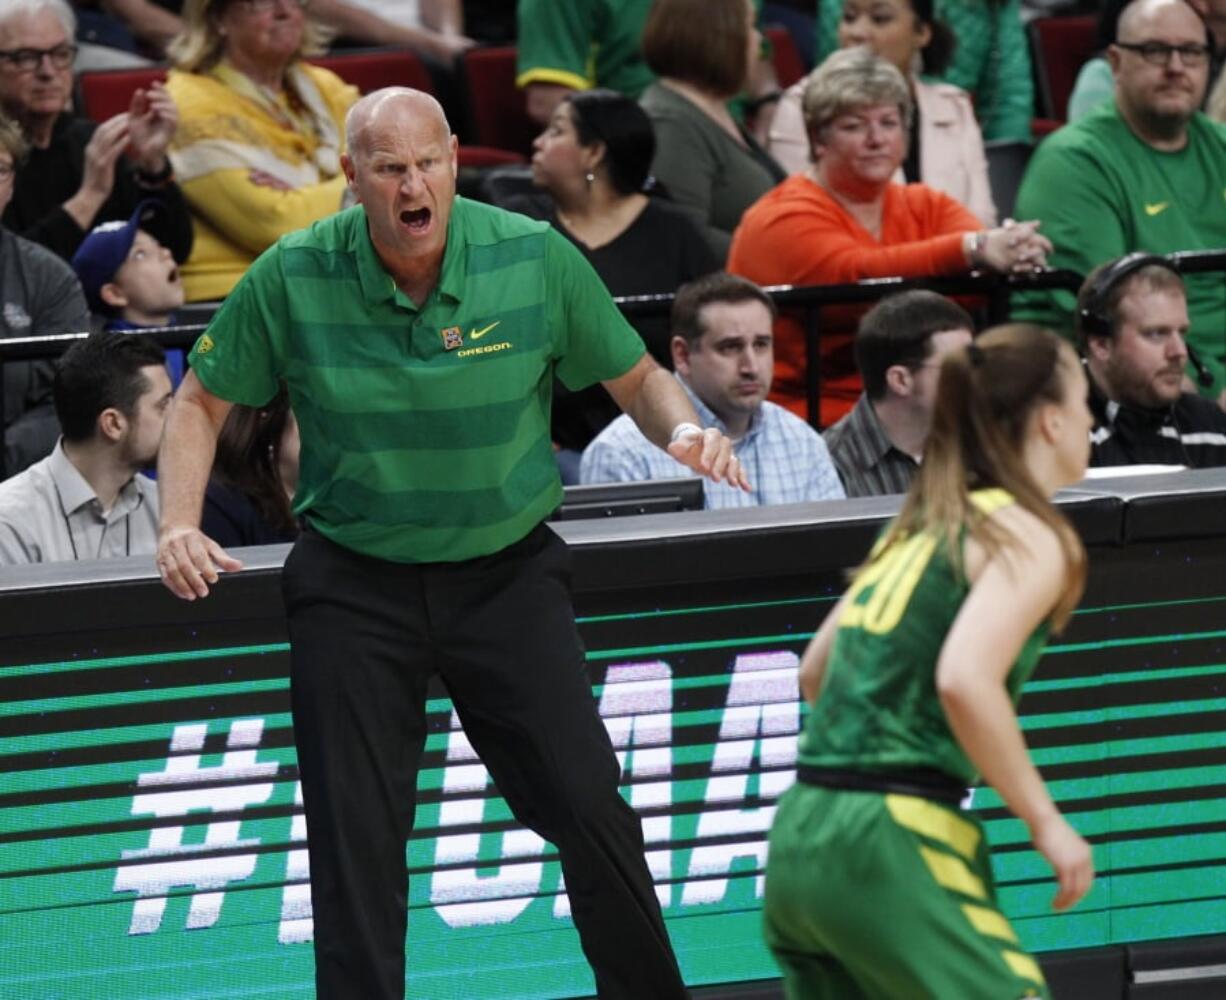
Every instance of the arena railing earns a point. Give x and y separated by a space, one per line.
811 299
808 299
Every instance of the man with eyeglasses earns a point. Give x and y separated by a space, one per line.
78 174
1145 171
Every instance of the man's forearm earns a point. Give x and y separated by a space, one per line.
443 15
84 206
659 406
146 20
368 27
185 460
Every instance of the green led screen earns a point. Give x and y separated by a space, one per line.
152 843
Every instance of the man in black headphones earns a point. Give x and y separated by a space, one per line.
1132 325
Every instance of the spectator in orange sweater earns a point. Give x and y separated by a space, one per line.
844 220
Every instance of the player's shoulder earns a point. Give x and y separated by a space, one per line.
1021 528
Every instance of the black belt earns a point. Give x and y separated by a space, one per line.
924 782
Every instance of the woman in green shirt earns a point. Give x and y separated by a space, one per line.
877 885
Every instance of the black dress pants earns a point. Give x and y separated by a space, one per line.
366 634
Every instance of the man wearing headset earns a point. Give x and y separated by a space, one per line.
1132 325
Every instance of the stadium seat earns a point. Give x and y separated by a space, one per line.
789 67
370 69
105 93
375 68
1060 46
495 104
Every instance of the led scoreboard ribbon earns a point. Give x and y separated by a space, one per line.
152 842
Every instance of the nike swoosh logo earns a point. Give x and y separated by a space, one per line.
478 334
1157 208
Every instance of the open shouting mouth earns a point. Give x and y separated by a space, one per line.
418 220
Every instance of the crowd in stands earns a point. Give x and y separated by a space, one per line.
677 161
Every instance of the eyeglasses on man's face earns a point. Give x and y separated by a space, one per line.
1159 53
27 60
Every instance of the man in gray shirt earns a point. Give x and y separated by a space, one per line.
87 499
899 346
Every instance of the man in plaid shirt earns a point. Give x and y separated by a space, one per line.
723 355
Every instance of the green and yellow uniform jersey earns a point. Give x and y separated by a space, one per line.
425 430
877 894
879 709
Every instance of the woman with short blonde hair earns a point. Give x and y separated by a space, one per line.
846 219
261 131
945 145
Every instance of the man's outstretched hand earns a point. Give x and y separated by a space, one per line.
709 453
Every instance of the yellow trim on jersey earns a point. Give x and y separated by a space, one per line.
935 822
991 500
562 77
1023 965
952 873
991 923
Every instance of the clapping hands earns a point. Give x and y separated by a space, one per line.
152 120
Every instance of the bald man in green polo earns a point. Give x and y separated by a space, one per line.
418 334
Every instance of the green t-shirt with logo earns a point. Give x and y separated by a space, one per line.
879 709
1100 192
583 44
425 431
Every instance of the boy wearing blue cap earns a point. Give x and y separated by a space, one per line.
131 278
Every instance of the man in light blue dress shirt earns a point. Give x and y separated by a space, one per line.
723 355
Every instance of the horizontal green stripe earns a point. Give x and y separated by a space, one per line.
1116 784
629 652
1146 605
487 258
406 430
355 359
336 264
1121 713
703 610
1125 677
142 696
1175 918
143 659
86 739
352 508
1138 640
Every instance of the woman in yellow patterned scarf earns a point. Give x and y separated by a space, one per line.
257 151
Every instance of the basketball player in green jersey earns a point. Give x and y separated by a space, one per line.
877 885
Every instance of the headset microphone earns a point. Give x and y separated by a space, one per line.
1204 377
1093 317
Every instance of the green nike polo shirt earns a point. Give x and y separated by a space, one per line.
425 431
